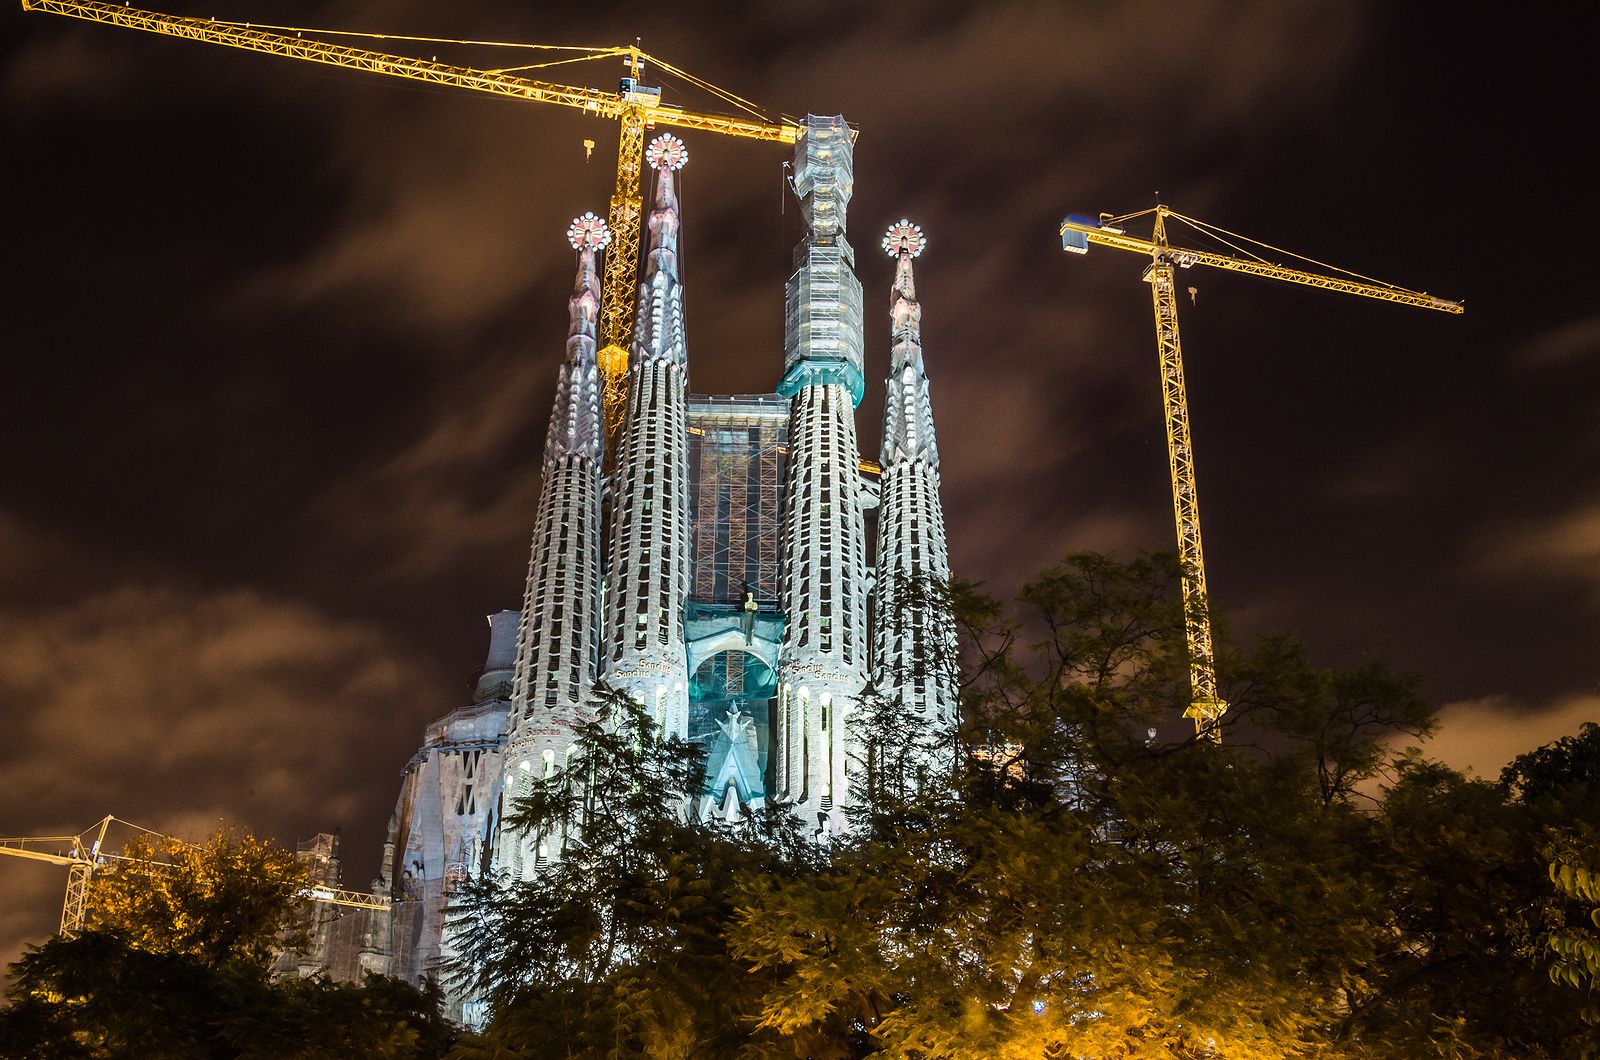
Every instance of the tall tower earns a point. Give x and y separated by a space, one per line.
649 569
823 665
913 634
556 639
736 588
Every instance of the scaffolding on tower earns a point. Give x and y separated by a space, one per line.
736 471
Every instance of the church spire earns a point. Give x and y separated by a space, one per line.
556 659
824 656
649 562
666 155
659 332
908 414
575 426
913 636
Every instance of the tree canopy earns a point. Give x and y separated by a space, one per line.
230 898
1084 877
174 962
1089 881
619 943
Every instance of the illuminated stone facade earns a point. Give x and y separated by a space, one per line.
733 595
442 832
648 568
823 665
557 650
914 641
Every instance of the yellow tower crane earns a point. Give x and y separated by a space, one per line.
83 854
1077 232
634 106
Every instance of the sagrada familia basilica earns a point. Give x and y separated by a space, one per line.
740 571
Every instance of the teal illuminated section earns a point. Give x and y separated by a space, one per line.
817 371
713 683
714 629
733 659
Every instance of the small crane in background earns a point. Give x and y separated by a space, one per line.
85 853
1206 707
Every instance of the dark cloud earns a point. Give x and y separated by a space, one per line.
424 511
415 236
1400 467
195 699
1561 548
182 708
1563 343
282 342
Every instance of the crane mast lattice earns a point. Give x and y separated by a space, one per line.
1206 706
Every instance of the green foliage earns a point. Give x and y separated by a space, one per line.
233 898
1342 725
1574 918
1566 771
1560 785
616 946
1079 885
100 996
1458 867
900 762
175 962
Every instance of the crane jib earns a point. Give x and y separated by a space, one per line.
634 107
1078 231
603 104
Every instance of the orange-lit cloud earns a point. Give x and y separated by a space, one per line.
1562 547
181 708
1483 735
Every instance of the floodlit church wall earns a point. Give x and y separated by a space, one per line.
750 564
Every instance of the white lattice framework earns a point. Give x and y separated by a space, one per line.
823 662
649 568
914 635
556 646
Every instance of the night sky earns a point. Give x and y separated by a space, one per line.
281 342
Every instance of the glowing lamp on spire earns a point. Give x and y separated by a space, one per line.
905 238
588 232
666 152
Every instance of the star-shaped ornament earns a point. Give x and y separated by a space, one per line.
904 237
588 232
666 152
